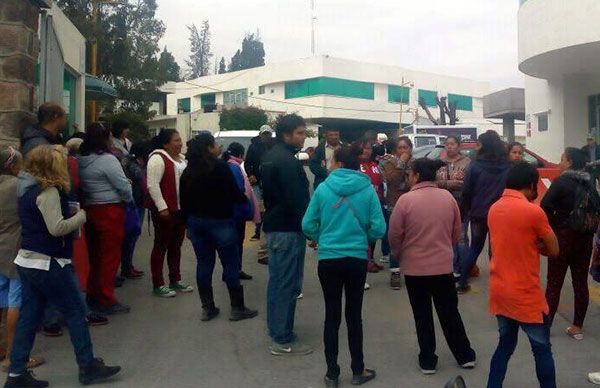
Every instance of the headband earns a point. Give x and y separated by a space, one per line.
11 157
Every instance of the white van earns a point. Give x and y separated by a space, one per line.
423 140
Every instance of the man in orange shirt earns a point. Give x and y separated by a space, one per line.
519 233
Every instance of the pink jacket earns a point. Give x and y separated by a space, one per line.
424 227
247 189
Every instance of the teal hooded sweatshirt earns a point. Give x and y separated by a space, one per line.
344 214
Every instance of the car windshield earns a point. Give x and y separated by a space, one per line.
226 141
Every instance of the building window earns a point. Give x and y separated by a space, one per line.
429 96
462 102
184 105
207 99
236 97
261 90
398 94
542 122
329 86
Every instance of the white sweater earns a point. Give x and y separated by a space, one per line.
155 172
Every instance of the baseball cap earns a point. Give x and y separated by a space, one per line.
264 129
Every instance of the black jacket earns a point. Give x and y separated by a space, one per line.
254 157
212 195
34 136
285 190
484 184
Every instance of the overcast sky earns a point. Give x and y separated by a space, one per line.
469 38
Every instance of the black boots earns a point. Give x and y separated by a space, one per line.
209 310
26 380
97 371
238 309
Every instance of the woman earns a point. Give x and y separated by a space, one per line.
343 216
105 191
249 211
575 246
395 167
371 169
516 151
484 183
451 177
10 240
165 167
44 265
424 247
209 195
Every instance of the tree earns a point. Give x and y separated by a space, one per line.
168 66
127 35
237 119
251 55
222 68
200 57
138 130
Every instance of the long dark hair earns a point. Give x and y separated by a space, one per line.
349 156
235 149
200 160
427 169
96 140
163 138
492 147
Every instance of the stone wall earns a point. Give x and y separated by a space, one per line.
19 48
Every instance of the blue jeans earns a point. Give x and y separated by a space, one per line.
385 244
59 287
539 337
461 250
286 272
394 264
129 243
479 232
211 236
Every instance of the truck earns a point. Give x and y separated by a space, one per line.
465 132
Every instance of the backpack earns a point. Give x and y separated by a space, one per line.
585 216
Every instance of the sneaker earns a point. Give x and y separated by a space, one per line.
469 365
256 237
245 276
461 290
456 277
116 308
26 379
133 274
291 349
181 287
95 319
475 271
52 331
300 296
263 261
119 280
331 383
365 377
367 286
428 372
396 281
372 267
384 259
164 292
96 372
594 378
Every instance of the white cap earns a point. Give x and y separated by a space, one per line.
264 129
381 137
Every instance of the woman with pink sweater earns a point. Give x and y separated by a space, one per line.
424 227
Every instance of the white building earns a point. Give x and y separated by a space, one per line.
559 51
352 96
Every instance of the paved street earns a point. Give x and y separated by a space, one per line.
162 343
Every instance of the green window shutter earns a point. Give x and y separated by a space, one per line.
207 99
184 105
329 86
462 102
398 94
429 96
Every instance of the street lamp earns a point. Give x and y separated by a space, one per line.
410 86
94 43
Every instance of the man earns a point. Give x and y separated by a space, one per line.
320 163
52 118
592 152
519 233
260 145
120 141
285 192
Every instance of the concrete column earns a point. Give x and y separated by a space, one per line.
19 49
508 129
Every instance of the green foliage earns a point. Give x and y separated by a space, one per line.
169 67
236 119
127 36
222 68
251 55
200 57
138 130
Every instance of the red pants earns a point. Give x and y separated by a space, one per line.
169 233
81 260
105 231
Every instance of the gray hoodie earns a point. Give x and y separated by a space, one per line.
103 180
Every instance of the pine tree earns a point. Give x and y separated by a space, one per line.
222 68
200 58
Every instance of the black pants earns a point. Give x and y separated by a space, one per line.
440 288
337 275
240 227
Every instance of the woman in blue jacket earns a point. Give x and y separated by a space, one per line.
344 215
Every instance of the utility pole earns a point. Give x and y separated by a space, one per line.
402 85
313 26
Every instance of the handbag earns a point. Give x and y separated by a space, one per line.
133 225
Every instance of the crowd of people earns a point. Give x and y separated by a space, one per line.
72 215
